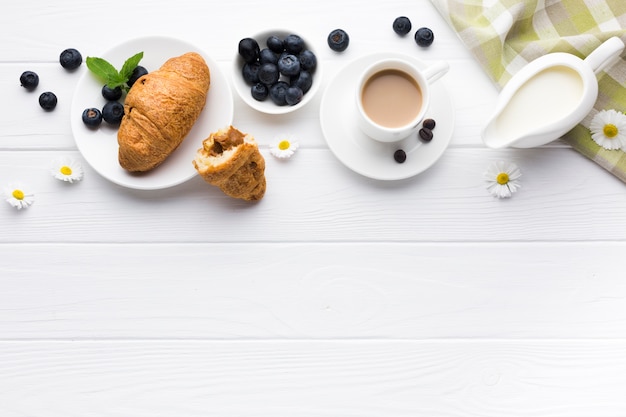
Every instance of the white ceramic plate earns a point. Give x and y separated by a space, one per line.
267 106
99 146
367 156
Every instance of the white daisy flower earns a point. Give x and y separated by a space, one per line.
17 196
608 129
503 179
283 147
67 169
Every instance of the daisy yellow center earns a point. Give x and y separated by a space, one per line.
283 145
502 178
610 130
18 194
65 170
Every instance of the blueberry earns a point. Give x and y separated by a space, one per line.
399 156
259 91
308 60
249 50
424 37
278 92
268 56
112 112
137 73
268 74
402 25
70 59
29 80
275 44
111 94
303 81
294 44
48 100
288 65
250 73
293 95
338 40
92 117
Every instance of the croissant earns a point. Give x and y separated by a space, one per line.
230 160
160 110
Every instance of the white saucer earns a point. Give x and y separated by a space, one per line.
367 156
99 146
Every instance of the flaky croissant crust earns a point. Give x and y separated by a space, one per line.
230 160
160 110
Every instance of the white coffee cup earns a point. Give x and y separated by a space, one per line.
392 97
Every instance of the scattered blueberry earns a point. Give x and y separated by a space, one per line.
399 156
111 94
260 91
112 112
424 37
249 50
250 72
426 134
293 95
308 60
138 72
429 124
278 92
294 44
268 73
402 25
70 59
29 80
338 40
48 100
275 44
288 65
92 117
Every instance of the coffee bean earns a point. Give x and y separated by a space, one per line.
426 134
429 124
399 156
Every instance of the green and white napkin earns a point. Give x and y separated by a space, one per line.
504 35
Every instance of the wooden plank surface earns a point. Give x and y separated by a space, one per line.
321 378
313 197
307 291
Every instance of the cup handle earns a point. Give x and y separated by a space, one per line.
435 71
604 53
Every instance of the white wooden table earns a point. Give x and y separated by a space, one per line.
336 295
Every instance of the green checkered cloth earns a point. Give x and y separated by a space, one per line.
504 35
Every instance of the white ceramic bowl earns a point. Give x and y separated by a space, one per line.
268 106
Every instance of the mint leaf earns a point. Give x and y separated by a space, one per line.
109 74
115 80
101 68
130 64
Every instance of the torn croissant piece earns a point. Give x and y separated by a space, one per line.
230 160
160 110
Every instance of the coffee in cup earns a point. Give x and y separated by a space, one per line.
393 96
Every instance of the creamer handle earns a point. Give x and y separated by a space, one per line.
605 53
435 71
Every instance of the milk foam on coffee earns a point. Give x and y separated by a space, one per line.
391 98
